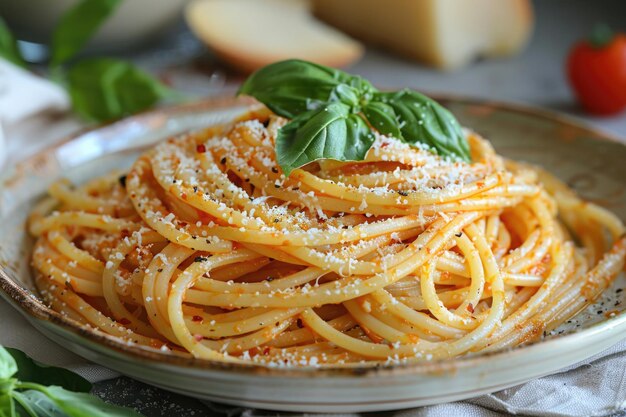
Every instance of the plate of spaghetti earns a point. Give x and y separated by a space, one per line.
323 246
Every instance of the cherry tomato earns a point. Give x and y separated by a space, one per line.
597 72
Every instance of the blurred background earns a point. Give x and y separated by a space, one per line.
502 50
511 50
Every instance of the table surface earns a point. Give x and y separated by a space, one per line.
534 77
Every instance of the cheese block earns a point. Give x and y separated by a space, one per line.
249 34
443 33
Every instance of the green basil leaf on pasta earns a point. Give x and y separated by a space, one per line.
423 120
8 46
382 117
320 100
33 371
331 132
77 26
293 87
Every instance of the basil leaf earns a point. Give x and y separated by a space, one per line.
8 366
293 87
32 371
331 132
103 89
77 26
426 121
36 404
8 46
7 406
78 404
324 105
382 117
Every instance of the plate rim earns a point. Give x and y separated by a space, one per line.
28 303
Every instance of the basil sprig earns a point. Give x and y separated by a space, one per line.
334 114
31 389
101 89
77 26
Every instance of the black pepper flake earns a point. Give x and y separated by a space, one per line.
599 312
458 234
403 193
619 290
195 188
160 270
223 160
296 188
275 170
269 279
122 181
200 259
276 220
247 180
276 185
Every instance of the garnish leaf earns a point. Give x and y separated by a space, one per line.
34 399
426 121
35 403
103 89
78 404
331 132
77 26
292 87
8 46
8 366
33 371
382 117
328 108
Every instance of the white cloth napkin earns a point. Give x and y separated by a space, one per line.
24 95
595 387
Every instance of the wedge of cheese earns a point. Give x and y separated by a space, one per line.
443 33
249 34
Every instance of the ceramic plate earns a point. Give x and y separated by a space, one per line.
590 162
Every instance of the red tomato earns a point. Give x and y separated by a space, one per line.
597 73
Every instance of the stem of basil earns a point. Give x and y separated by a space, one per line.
601 35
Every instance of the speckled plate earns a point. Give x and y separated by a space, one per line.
589 161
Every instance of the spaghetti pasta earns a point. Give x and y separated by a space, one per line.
206 248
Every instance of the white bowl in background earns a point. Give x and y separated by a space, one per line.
133 23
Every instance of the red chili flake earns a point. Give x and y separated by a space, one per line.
201 149
125 233
266 350
197 318
124 321
198 337
470 308
183 196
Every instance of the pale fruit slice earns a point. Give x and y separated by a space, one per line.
249 34
442 33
